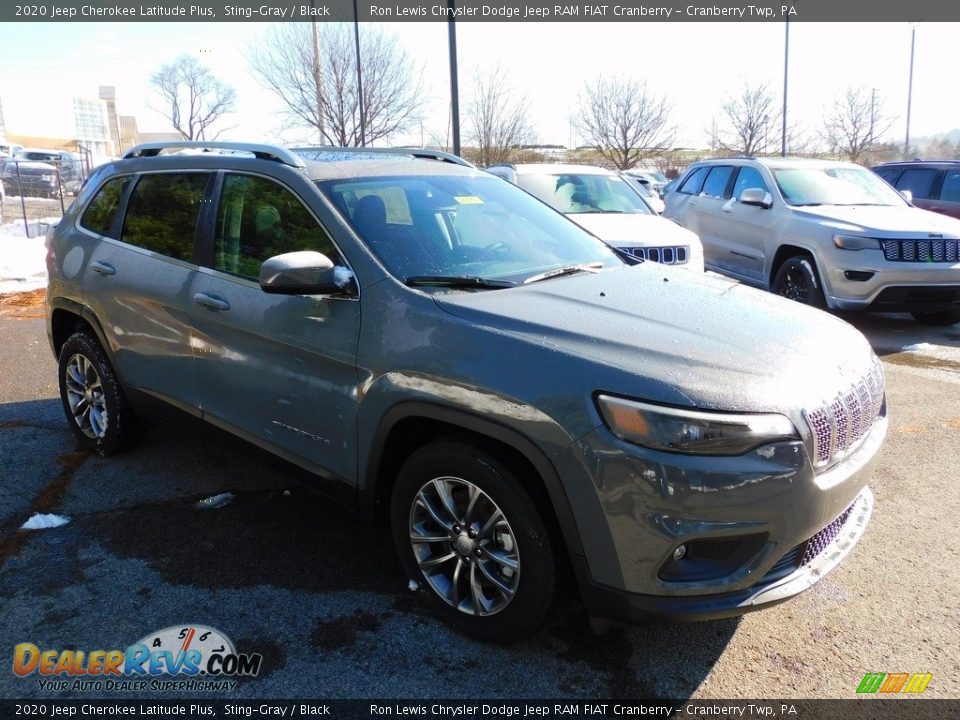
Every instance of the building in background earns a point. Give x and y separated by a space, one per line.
89 126
92 127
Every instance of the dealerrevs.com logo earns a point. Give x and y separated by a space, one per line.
182 657
909 683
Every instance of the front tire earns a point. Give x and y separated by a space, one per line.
939 319
471 535
797 279
92 397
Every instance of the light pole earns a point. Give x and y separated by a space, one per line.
913 42
363 118
454 85
786 66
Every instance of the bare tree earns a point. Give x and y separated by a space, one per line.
748 123
855 124
319 91
193 99
623 121
496 119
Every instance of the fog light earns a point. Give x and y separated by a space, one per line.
680 553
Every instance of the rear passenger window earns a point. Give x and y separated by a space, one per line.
950 192
694 181
162 213
258 219
918 182
100 213
716 183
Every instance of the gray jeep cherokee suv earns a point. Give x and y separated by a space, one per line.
448 355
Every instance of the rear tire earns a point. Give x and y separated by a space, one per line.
941 319
473 538
92 397
797 279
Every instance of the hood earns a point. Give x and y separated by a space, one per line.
31 166
633 230
680 337
883 221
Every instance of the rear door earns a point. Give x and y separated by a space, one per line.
277 370
138 279
704 213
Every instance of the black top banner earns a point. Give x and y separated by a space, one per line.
851 11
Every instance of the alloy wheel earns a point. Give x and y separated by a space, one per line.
464 546
85 395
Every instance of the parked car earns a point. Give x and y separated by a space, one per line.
9 149
35 179
651 198
933 185
68 164
610 207
830 234
653 179
447 354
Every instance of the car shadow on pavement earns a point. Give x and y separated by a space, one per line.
305 567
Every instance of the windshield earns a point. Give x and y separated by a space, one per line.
454 226
571 193
837 185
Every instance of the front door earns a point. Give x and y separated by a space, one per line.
278 370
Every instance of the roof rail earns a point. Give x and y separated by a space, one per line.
264 152
317 153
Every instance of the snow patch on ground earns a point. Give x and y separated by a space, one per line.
42 521
23 255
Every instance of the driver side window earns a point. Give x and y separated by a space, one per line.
748 178
258 219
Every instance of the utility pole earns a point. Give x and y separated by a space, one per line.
363 117
913 40
317 80
454 85
786 67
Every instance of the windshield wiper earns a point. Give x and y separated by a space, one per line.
456 281
591 267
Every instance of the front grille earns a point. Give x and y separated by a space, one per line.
671 255
819 542
807 551
839 424
925 251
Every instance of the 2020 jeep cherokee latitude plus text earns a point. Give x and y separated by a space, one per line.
449 355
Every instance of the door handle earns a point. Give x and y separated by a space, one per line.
211 301
102 268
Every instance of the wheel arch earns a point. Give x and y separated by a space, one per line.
785 252
68 317
410 425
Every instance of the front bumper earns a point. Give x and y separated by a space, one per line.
768 505
891 286
607 602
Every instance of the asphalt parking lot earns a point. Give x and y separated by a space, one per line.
316 590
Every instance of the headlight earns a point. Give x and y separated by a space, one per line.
853 242
692 431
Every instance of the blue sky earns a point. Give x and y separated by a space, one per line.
42 66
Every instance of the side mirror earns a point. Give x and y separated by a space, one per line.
907 195
306 272
757 196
